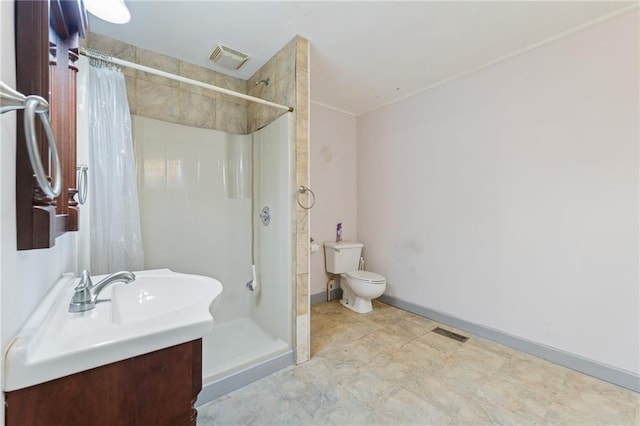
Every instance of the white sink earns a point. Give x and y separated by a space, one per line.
161 308
150 297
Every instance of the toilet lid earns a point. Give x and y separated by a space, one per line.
367 276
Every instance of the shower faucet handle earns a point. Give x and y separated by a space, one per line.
265 216
252 285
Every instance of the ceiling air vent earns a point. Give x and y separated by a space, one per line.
228 57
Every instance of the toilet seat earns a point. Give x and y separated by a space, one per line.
367 276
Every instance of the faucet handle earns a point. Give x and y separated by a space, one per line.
83 299
85 281
82 292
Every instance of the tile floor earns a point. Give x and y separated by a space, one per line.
388 368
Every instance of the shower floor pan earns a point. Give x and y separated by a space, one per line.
234 345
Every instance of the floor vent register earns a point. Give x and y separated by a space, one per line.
450 334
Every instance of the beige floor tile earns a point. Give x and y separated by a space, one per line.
479 412
490 346
561 415
576 384
324 326
417 319
440 343
406 328
393 369
535 373
404 408
320 372
250 405
383 341
480 358
419 353
319 345
590 403
334 404
291 384
462 374
350 357
439 392
298 416
512 395
387 367
369 387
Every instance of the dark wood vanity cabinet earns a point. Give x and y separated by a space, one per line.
158 388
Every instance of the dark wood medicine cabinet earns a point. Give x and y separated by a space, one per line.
47 34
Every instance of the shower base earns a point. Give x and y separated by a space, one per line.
237 353
233 345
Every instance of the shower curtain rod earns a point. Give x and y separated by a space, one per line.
108 58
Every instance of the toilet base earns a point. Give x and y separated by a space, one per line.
356 304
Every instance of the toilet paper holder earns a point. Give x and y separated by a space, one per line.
313 246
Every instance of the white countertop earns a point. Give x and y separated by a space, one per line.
161 308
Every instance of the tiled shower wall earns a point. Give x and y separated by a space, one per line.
280 70
288 74
303 334
168 100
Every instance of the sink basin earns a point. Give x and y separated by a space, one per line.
161 308
150 297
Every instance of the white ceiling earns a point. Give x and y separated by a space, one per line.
364 54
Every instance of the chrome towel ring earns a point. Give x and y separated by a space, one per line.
83 183
51 191
11 100
301 190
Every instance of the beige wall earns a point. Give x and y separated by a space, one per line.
333 176
509 197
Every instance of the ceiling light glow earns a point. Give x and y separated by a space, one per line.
114 11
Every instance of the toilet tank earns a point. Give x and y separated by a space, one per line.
342 257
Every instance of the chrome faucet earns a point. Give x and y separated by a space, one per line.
86 293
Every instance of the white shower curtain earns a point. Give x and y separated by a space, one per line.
116 241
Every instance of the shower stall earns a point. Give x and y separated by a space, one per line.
202 193
215 204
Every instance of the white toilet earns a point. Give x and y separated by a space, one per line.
358 287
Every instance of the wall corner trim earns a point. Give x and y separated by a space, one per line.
343 111
322 297
236 380
608 373
318 298
604 18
